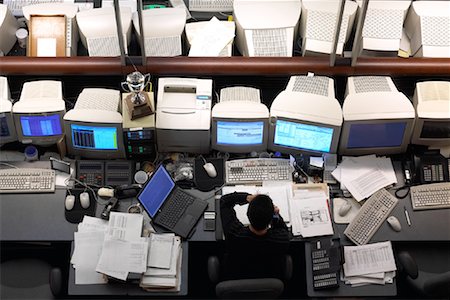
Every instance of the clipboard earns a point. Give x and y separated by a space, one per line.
47 36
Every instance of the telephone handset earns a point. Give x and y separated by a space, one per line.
431 167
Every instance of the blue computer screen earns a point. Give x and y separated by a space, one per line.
303 136
156 191
94 137
41 125
4 129
240 133
376 135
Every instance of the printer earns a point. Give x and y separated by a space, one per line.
183 115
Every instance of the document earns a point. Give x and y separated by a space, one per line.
124 226
160 250
364 175
369 259
310 212
280 195
172 270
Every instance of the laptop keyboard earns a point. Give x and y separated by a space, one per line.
174 208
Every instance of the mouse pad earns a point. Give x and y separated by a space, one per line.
205 183
77 213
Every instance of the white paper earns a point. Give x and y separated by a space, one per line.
87 276
87 249
313 216
316 161
211 39
46 47
124 226
160 250
367 259
280 195
172 271
124 256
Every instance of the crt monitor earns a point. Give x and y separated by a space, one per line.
266 27
94 134
378 119
8 27
432 103
304 123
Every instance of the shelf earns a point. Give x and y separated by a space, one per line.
221 66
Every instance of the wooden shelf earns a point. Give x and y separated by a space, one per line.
219 66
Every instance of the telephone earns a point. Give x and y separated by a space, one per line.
429 167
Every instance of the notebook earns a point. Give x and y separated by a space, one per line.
168 205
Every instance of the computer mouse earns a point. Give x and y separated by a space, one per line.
70 202
344 209
84 200
210 170
395 223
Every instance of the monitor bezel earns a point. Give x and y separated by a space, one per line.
417 131
240 148
91 153
343 150
295 150
12 137
39 140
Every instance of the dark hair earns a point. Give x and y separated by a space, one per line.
260 212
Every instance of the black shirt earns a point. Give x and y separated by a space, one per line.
249 255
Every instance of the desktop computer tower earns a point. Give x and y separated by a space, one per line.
139 134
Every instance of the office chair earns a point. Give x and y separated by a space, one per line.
29 278
258 288
426 283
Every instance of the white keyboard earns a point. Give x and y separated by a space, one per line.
370 217
257 170
27 180
430 196
211 5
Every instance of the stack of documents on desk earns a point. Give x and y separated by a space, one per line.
369 264
364 175
112 248
279 193
163 263
310 213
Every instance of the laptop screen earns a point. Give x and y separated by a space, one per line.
156 191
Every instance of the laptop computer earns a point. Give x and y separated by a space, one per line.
168 205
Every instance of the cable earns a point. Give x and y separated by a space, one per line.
9 165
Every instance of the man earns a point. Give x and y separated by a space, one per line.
257 250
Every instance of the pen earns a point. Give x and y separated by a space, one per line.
408 220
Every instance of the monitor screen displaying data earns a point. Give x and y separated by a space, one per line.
41 125
303 136
240 133
376 135
4 129
435 130
94 137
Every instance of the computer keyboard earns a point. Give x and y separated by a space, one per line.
27 180
370 217
179 201
255 170
430 196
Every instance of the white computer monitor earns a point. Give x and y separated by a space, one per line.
378 119
7 128
240 124
383 25
305 118
432 104
69 10
428 27
98 30
94 127
266 27
163 28
8 28
318 23
38 113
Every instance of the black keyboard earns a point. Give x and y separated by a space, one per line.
174 209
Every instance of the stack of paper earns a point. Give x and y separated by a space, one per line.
369 264
310 214
112 248
280 195
364 175
163 263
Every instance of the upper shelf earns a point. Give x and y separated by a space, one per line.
248 66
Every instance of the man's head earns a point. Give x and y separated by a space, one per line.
260 212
